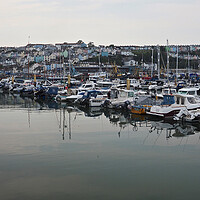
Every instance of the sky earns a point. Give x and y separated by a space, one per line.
104 22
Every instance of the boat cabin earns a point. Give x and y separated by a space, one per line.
87 86
190 91
92 94
121 93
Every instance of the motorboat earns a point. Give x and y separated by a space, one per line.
172 104
119 98
195 91
142 104
68 98
85 100
89 85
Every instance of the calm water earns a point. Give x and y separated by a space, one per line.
50 151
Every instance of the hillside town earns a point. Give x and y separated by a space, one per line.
84 58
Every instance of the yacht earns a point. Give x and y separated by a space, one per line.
171 105
119 98
87 86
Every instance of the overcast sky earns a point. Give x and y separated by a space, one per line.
120 22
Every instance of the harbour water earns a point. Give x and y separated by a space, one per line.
54 151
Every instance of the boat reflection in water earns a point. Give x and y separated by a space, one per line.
174 129
119 119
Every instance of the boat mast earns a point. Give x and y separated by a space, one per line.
188 65
28 55
158 48
63 70
167 61
152 64
177 64
99 56
69 75
69 61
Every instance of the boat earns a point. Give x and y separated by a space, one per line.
87 96
68 98
46 93
89 85
195 91
118 99
141 110
142 104
172 104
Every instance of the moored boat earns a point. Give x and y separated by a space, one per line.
173 104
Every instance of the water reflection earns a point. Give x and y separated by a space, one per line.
65 126
174 129
119 119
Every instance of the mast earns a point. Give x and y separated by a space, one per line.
99 56
158 48
188 65
167 61
69 75
152 64
177 64
28 55
63 70
69 60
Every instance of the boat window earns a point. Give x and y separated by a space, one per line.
123 94
198 92
182 101
130 94
165 91
177 100
159 91
173 91
88 86
191 92
191 100
114 94
183 92
93 94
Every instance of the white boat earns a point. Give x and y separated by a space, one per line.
166 91
68 98
87 86
89 95
195 91
173 104
119 98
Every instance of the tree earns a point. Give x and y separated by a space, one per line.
91 44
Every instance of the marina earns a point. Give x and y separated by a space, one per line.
99 100
88 128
